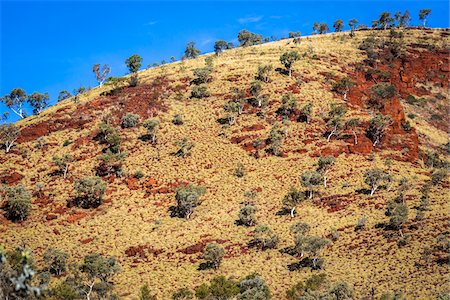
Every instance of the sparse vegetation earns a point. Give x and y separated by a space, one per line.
17 203
90 191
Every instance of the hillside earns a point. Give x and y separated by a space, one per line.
134 222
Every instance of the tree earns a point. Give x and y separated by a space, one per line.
233 108
306 111
111 163
184 148
264 238
130 120
56 261
300 228
374 178
352 23
293 198
101 73
63 95
378 125
288 105
247 215
38 101
403 20
314 246
191 51
200 91
253 287
187 199
63 162
335 126
220 288
380 93
90 191
385 20
264 72
247 38
9 133
353 123
398 216
276 137
338 25
343 86
293 35
255 90
324 165
15 101
134 63
110 136
17 204
423 15
152 126
320 28
219 46
288 59
310 180
341 291
213 255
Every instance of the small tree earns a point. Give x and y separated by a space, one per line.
101 73
63 95
310 180
90 191
15 101
264 238
255 90
200 91
110 136
306 111
152 126
187 199
378 126
203 75
62 162
324 165
220 288
56 261
97 268
423 15
184 148
314 246
276 137
352 124
191 51
17 205
38 101
247 215
335 127
343 86
338 25
247 38
130 120
264 73
293 198
219 46
300 228
398 216
253 287
233 109
374 178
133 64
288 59
9 133
183 294
111 163
213 255
288 105
385 20
352 23
380 93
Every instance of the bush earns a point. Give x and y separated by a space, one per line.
152 126
264 238
90 191
264 73
183 294
220 288
99 267
213 255
247 38
145 294
253 287
17 204
130 120
110 163
138 174
203 75
187 199
64 291
438 176
293 198
310 180
178 119
56 261
247 216
240 171
200 91
110 136
184 148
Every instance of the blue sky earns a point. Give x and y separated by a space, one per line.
50 46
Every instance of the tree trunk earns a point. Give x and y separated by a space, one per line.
65 171
310 194
325 181
374 188
292 212
8 146
330 135
290 72
356 137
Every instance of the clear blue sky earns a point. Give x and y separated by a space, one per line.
50 46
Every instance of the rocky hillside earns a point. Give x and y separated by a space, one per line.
378 101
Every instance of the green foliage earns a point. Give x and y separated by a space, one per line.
184 148
264 238
240 170
62 162
183 294
398 215
145 293
133 63
130 120
17 205
423 15
219 46
247 38
338 25
341 291
374 178
203 75
100 267
15 101
276 137
343 86
310 180
56 261
300 228
191 51
90 191
187 199
64 291
152 126
110 163
110 136
288 59
293 198
253 287
264 73
101 72
38 101
63 95
200 91
219 288
247 215
378 125
9 133
288 105
438 176
213 255
306 111
320 28
381 92
138 174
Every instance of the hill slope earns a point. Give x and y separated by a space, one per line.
134 222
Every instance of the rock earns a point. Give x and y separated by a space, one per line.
364 146
11 178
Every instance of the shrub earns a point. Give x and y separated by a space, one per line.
152 126
288 59
17 204
438 176
264 73
253 287
213 255
56 261
293 198
264 238
381 92
374 178
130 120
178 119
288 105
183 294
220 288
187 199
203 75
110 136
145 294
240 171
398 215
276 138
310 180
378 125
64 291
184 148
62 162
90 191
97 266
300 228
138 174
341 290
247 215
200 91
306 112
110 163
